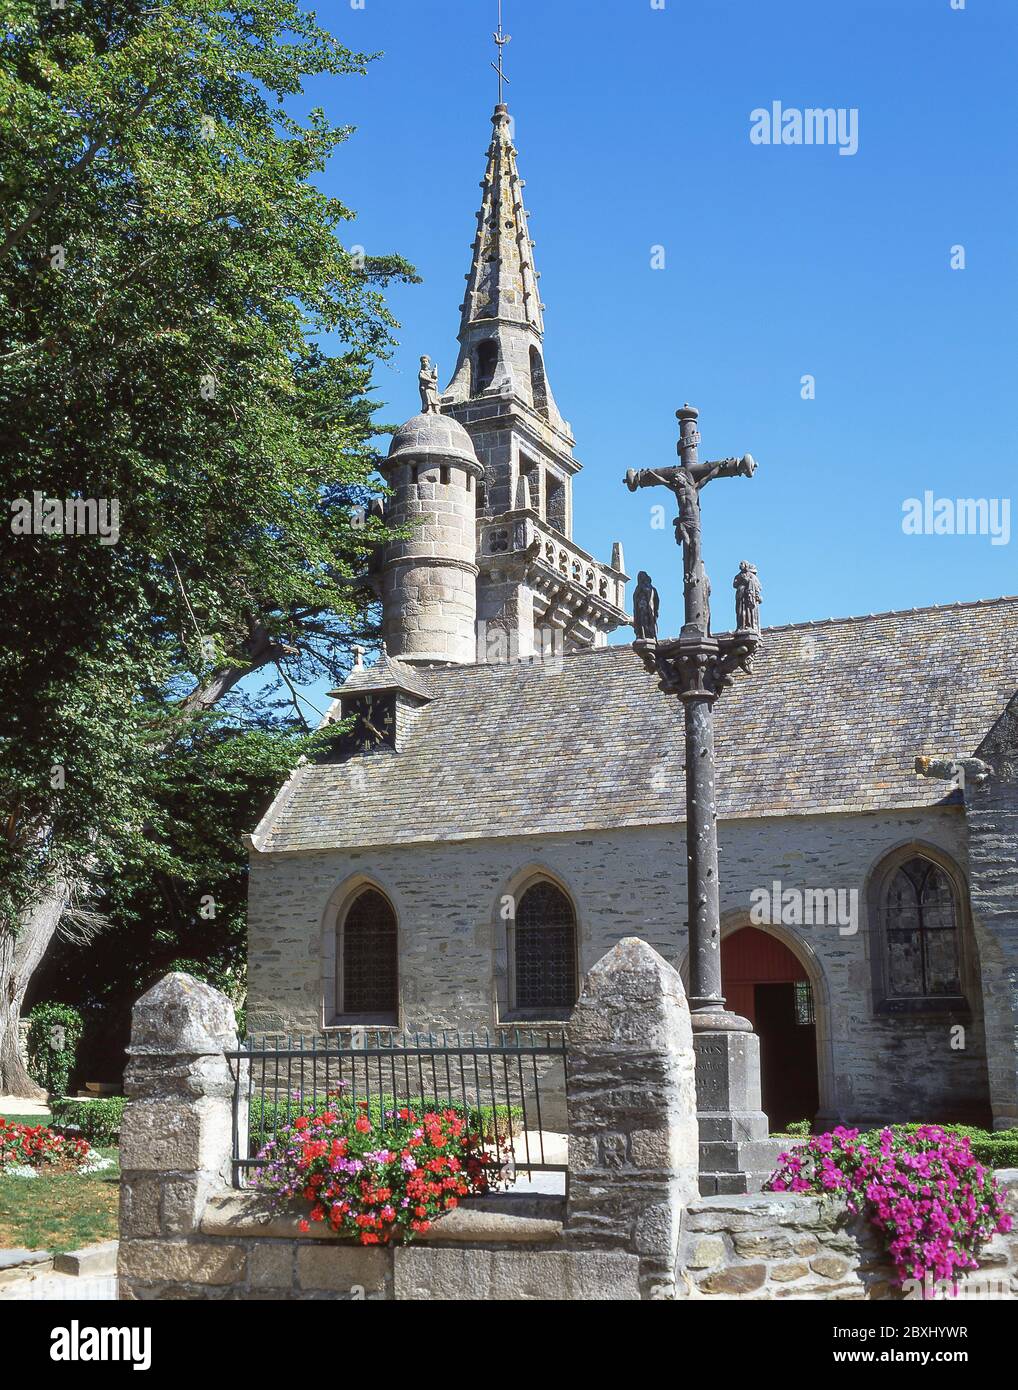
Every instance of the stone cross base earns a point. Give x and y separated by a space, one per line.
736 1152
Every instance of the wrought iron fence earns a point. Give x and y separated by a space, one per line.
502 1083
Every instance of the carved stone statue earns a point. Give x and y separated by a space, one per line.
427 382
685 482
645 607
748 598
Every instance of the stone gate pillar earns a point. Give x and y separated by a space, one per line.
631 1094
176 1137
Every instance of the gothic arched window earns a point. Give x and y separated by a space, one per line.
538 385
544 954
920 920
487 361
368 983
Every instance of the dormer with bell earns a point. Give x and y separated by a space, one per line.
383 701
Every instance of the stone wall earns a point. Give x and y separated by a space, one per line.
187 1234
991 811
453 966
777 1245
630 1230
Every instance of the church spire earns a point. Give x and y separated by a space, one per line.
501 333
502 282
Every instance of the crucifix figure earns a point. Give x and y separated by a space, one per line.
698 666
686 481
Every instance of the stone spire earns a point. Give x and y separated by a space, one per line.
537 590
502 282
502 325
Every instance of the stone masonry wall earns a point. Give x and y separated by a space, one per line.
186 1234
991 811
453 966
776 1245
633 1139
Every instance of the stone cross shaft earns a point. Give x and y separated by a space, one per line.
697 667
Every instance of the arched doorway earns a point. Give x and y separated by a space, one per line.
765 982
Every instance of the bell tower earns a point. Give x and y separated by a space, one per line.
536 589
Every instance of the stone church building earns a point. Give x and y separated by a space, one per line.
511 800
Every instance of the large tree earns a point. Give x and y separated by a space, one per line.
180 904
168 272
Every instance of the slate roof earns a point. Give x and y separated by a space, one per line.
831 721
388 673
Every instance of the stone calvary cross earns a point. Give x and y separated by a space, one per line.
698 666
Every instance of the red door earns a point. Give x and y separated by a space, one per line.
762 980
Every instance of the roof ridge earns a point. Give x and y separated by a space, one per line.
895 613
530 662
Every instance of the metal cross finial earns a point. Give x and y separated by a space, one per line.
501 39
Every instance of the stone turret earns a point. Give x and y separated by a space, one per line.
429 580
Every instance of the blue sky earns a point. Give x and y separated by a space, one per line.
632 125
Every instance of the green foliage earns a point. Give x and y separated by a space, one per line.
97 1120
54 1032
182 333
167 268
996 1148
181 905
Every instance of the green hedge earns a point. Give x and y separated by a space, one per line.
997 1148
98 1120
54 1032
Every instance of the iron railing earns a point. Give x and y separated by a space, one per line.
511 1085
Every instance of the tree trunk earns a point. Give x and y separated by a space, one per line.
19 958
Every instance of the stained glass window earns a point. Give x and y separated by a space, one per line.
920 922
369 975
545 949
804 1011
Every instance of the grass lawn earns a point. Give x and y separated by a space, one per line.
63 1212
